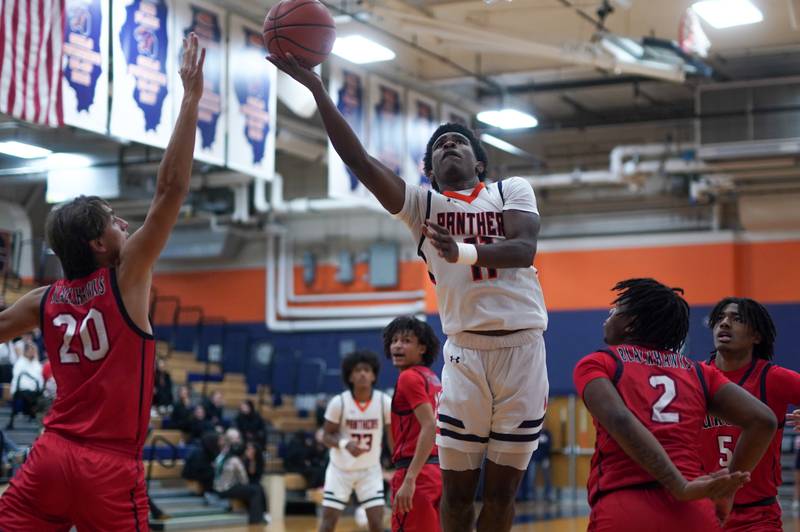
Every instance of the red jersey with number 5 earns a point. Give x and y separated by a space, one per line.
667 392
104 365
778 388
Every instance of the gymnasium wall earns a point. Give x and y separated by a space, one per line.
576 275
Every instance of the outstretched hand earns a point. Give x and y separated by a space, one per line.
793 419
192 68
442 240
718 485
293 68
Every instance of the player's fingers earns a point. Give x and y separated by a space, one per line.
438 228
201 60
192 59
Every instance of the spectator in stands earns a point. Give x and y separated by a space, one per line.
306 456
199 465
181 416
199 424
254 462
232 482
27 382
215 410
250 423
50 388
162 395
7 358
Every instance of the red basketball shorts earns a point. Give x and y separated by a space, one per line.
654 510
755 519
63 483
424 514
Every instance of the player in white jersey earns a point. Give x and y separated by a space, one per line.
355 422
479 243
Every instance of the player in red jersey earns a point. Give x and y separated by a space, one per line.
417 483
743 340
648 403
86 469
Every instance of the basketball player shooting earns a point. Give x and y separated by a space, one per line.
479 243
86 469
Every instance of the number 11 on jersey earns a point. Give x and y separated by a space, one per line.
477 274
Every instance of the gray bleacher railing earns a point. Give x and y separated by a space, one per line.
172 462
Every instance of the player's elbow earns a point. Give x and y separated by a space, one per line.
172 188
763 421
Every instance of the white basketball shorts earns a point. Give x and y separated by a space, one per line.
340 484
494 392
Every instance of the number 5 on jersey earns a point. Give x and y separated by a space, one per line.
92 351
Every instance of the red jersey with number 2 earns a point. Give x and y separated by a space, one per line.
103 364
415 385
667 392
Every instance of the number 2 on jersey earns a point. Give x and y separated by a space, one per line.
95 317
477 274
666 398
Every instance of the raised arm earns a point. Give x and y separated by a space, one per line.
733 404
22 316
608 408
388 187
142 249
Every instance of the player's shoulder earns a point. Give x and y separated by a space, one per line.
415 376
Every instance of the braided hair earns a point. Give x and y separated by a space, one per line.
659 314
754 314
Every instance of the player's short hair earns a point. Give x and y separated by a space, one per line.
755 315
420 329
659 314
477 148
69 229
351 360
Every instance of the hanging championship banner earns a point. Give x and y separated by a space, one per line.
252 102
455 115
387 124
85 64
141 108
348 90
207 21
421 122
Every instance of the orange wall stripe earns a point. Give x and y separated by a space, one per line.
236 295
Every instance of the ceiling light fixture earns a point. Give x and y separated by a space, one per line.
728 13
508 119
22 150
360 50
500 144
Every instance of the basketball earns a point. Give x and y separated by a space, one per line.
303 28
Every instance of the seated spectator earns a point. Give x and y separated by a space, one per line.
250 423
306 456
181 415
8 355
231 482
254 462
50 388
199 465
199 424
27 382
214 410
162 395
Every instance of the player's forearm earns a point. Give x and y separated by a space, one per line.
644 449
175 170
425 442
331 439
506 254
753 442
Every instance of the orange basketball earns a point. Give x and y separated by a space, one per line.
303 28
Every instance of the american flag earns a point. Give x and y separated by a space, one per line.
31 39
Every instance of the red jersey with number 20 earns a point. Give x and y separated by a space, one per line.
415 385
667 392
103 363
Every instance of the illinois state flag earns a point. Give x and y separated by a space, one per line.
31 39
